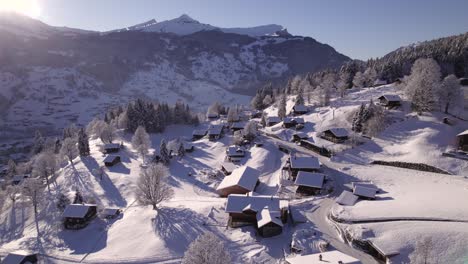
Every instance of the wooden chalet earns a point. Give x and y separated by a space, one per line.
337 135
297 137
299 110
111 160
347 198
462 140
307 164
389 100
235 153
236 126
212 116
272 120
309 183
265 212
21 257
228 167
215 132
379 82
242 180
188 147
198 134
111 148
78 216
111 213
364 192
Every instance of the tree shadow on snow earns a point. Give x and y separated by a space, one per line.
178 227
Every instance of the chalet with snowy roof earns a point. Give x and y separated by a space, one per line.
199 134
367 184
111 160
389 100
309 183
272 120
78 216
242 180
307 164
20 257
379 82
255 114
337 135
329 257
111 213
236 126
364 192
297 137
300 110
288 122
235 153
462 140
188 147
228 167
212 116
215 132
263 211
111 148
347 198
18 179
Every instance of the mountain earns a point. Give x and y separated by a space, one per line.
51 77
185 25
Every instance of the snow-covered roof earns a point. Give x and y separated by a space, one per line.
464 133
299 120
112 146
391 97
300 108
235 151
110 211
237 125
245 177
347 198
301 135
338 132
77 210
304 162
273 119
365 184
212 115
310 179
215 129
330 257
16 257
237 203
199 132
110 158
187 145
266 216
228 166
288 120
380 82
364 191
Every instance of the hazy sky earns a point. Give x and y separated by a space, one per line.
358 28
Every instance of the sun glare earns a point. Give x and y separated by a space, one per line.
26 7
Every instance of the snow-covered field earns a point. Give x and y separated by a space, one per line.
407 207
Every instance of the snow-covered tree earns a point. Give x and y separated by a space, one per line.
45 166
214 109
38 143
83 142
12 192
141 142
181 151
267 100
233 115
375 123
449 93
207 249
237 138
11 168
358 119
62 202
370 74
282 107
300 96
70 131
32 189
359 80
422 84
343 83
164 152
78 198
152 187
69 149
107 134
250 130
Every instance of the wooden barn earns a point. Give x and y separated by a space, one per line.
111 148
337 135
266 213
78 216
297 137
462 140
235 153
228 167
309 183
364 192
20 257
198 134
212 116
242 180
307 164
188 147
111 160
236 126
111 213
299 110
272 120
289 122
379 82
389 100
215 132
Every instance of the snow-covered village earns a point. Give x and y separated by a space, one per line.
177 141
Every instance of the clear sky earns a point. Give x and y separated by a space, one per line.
357 28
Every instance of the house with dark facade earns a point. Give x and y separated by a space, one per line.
272 120
111 148
337 135
389 100
300 110
21 257
198 134
77 216
242 180
235 153
307 164
462 140
111 160
215 132
309 183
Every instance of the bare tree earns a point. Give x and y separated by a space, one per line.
250 130
44 166
141 142
69 149
12 192
422 253
207 249
32 189
152 188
